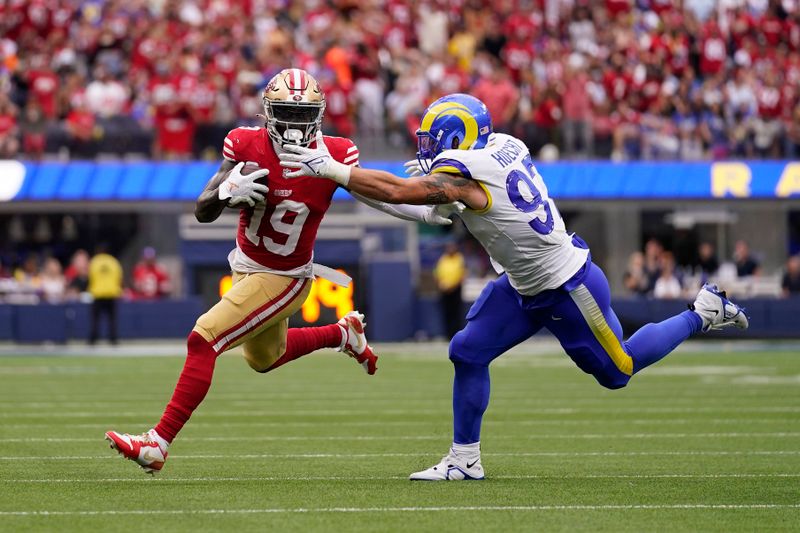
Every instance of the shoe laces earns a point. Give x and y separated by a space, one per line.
145 438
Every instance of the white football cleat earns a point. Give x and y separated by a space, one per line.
354 341
451 468
716 310
142 449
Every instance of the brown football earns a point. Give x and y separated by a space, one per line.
249 168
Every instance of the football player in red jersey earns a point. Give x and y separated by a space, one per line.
272 262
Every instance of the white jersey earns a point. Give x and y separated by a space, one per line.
520 228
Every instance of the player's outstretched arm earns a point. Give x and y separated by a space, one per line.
435 215
434 189
229 188
439 188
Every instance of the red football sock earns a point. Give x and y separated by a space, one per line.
303 341
193 384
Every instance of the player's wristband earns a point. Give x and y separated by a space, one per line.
339 172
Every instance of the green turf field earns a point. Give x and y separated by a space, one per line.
703 441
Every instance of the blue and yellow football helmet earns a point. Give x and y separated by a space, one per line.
456 121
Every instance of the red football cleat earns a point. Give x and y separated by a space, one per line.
142 449
355 341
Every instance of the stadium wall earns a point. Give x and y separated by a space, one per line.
400 316
600 180
77 185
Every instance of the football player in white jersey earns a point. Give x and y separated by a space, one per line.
548 281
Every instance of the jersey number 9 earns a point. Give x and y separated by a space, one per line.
527 203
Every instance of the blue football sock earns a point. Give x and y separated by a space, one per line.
470 399
653 341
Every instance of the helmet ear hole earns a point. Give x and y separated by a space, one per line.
454 143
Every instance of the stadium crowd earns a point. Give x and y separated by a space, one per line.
656 273
41 278
627 79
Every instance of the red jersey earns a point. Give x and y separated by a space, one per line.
713 55
7 123
548 114
769 102
617 7
175 129
204 101
617 84
44 84
772 28
279 234
150 281
518 57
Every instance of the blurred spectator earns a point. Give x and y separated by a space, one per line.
653 252
33 128
80 128
449 273
577 125
77 274
542 129
408 98
43 85
768 126
150 281
713 49
667 285
105 286
338 107
707 260
500 94
746 264
636 280
791 278
53 285
664 79
9 145
27 275
792 148
105 96
368 100
206 103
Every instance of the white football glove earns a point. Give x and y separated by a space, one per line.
439 215
413 169
243 189
314 162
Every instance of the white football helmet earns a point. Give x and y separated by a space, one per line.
293 106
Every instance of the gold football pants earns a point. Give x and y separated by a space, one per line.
255 312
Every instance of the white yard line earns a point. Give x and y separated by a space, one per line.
599 507
583 436
435 350
415 412
147 479
405 454
417 423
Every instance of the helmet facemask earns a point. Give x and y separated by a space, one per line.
428 147
293 123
